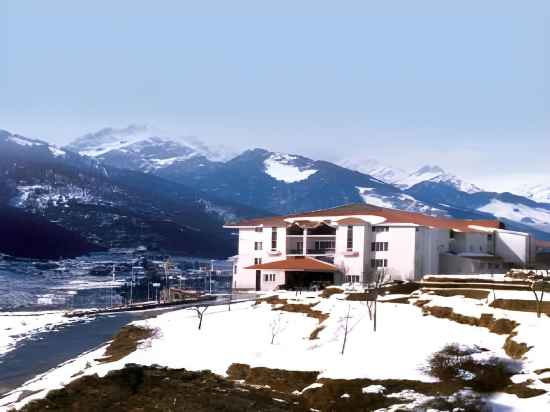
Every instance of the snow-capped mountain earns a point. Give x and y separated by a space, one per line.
110 206
538 193
144 147
404 180
375 169
436 174
286 183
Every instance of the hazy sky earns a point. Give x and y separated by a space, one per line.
463 84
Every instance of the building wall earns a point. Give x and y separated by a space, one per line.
246 278
412 252
401 251
351 263
472 242
514 247
453 265
430 243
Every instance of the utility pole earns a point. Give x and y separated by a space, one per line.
211 271
132 286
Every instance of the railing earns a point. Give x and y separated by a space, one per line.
295 252
320 251
311 251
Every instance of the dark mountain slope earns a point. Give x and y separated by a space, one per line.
113 207
32 236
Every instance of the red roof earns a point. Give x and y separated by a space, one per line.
390 216
298 264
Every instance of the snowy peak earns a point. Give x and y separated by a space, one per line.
108 139
420 175
459 184
375 169
428 169
144 149
435 174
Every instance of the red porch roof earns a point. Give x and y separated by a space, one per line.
296 264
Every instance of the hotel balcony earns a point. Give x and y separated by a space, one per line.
319 240
315 246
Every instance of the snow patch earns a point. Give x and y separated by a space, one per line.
56 151
374 389
532 216
23 142
280 167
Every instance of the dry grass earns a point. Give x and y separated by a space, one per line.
315 334
499 326
474 280
467 293
520 305
304 308
125 342
331 290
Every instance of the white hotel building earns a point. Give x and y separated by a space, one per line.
350 243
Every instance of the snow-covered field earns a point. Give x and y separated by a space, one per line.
398 349
17 326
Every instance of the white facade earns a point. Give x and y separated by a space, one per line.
361 245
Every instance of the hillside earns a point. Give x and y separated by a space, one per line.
112 207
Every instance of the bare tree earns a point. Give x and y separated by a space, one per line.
493 282
199 310
372 293
277 326
539 285
346 330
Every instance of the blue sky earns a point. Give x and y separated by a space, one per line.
464 84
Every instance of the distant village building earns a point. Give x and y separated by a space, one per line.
350 243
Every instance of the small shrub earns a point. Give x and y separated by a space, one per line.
456 364
451 362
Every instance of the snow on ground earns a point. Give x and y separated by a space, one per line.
533 216
17 326
280 167
399 349
532 331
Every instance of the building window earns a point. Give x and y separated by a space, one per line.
258 229
379 247
258 246
380 229
235 269
324 245
350 238
451 234
352 279
273 238
269 277
266 277
257 261
378 263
